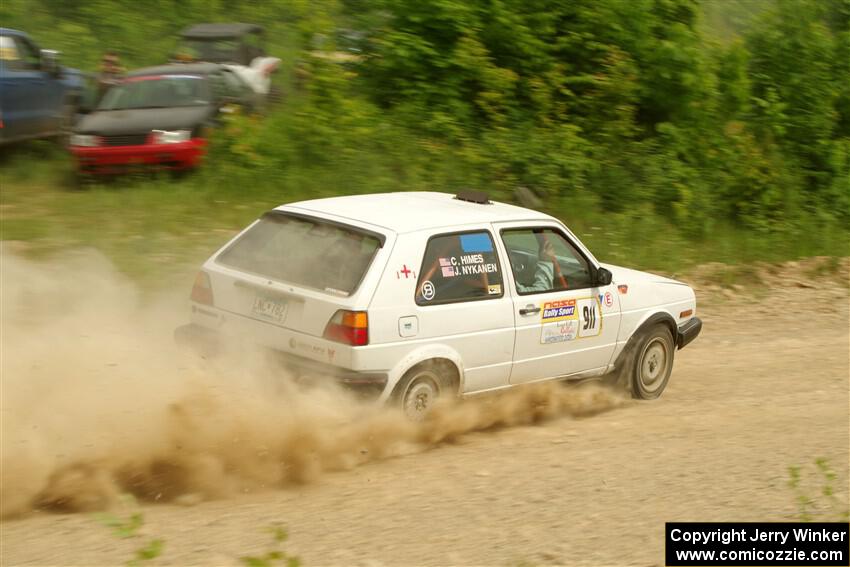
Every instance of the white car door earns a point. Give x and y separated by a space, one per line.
461 302
566 324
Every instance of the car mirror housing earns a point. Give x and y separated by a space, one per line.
603 276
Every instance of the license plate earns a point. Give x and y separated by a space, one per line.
269 308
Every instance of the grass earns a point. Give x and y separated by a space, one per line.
128 527
815 493
158 230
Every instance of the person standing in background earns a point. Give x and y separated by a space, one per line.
110 74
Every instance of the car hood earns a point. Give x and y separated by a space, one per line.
641 290
141 120
626 275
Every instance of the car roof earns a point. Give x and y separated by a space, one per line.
219 30
413 211
177 69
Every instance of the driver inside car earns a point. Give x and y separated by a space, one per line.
544 273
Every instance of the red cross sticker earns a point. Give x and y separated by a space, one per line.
406 271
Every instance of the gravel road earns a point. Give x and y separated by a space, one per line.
764 388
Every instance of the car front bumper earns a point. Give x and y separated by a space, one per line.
114 159
208 342
688 331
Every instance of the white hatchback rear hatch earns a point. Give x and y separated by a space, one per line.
301 273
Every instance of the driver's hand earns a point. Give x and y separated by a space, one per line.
549 250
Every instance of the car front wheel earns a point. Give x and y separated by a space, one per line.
653 363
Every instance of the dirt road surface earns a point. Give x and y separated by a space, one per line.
764 388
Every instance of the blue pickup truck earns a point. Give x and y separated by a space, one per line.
38 97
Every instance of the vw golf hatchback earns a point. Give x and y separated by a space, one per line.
413 296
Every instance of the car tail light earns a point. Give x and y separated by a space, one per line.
349 327
202 290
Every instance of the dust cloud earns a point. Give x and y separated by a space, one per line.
97 401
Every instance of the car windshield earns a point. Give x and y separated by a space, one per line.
157 91
305 252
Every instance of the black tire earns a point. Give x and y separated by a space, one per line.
66 122
651 363
419 389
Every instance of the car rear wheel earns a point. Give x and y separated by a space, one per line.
65 123
653 363
420 389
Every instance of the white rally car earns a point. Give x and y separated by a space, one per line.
419 295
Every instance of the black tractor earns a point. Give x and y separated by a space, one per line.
221 43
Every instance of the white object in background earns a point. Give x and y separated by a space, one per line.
258 75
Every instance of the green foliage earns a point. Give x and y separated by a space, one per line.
128 527
823 502
626 110
274 556
123 527
149 552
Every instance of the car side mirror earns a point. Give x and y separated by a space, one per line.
603 276
50 62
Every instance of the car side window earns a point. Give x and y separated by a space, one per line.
9 52
30 58
543 260
459 267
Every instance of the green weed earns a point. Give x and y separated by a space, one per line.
275 555
824 502
128 526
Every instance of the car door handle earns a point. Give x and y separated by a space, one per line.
529 310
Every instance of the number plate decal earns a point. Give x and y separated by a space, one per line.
269 308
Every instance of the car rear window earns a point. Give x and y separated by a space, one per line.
304 251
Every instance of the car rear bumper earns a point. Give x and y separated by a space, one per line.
688 331
208 342
111 159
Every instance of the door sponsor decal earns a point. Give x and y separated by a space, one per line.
559 331
569 319
558 310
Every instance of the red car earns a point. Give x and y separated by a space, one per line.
158 117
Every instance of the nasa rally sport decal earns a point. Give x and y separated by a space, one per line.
560 321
